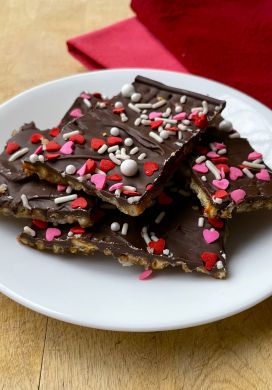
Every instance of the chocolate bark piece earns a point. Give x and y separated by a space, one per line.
137 154
28 197
236 180
170 233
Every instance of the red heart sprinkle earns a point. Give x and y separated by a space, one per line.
219 160
12 147
52 146
90 166
114 141
77 230
209 258
201 121
225 167
96 143
97 95
164 199
157 247
156 124
131 193
54 132
106 165
220 194
114 177
51 156
216 222
149 187
118 110
150 167
79 203
172 128
35 138
78 139
39 224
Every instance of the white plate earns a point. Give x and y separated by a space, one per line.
97 291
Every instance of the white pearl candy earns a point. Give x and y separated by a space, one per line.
129 167
225 125
115 226
70 169
164 134
127 90
128 142
136 97
114 131
118 104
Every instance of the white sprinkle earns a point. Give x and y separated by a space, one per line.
70 234
64 199
200 222
203 178
33 158
41 158
137 122
68 190
160 129
222 151
122 156
128 141
70 169
123 151
166 252
156 136
212 168
160 217
182 127
178 109
184 193
167 112
217 200
101 104
134 108
146 122
179 144
18 154
136 97
248 173
196 109
142 156
134 150
124 229
25 202
87 102
234 135
205 107
167 125
143 105
118 105
115 131
133 199
180 135
183 99
112 149
186 122
114 159
29 231
129 188
253 165
212 147
145 235
117 193
258 161
158 104
68 135
164 134
123 116
154 237
219 264
200 159
81 179
167 120
144 116
115 226
223 255
102 149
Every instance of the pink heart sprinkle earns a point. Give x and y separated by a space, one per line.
201 168
145 274
38 150
85 95
67 148
263 175
180 116
210 235
235 173
238 196
212 154
99 181
81 171
76 113
52 233
219 145
154 115
61 188
254 156
116 186
222 172
221 184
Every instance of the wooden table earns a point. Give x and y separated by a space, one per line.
39 352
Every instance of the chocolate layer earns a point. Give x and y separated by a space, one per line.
154 157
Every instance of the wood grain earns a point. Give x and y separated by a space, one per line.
41 353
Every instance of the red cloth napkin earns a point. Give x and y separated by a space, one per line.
124 44
228 40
